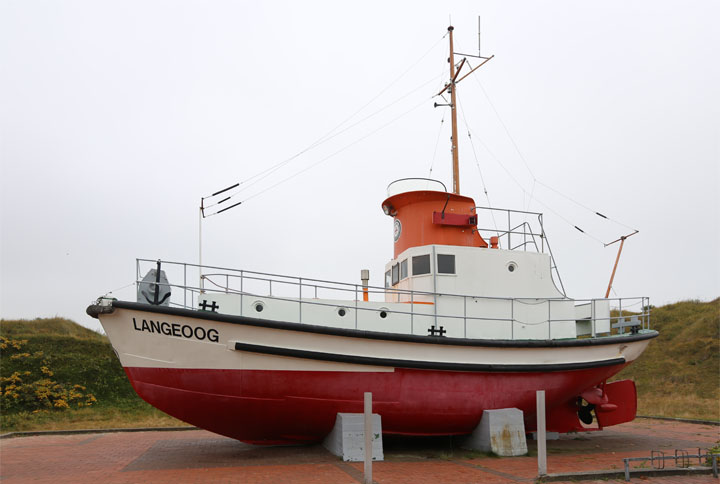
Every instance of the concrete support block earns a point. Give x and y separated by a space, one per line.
501 432
347 438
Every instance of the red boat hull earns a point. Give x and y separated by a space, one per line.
292 407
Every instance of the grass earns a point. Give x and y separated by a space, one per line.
138 415
22 328
677 376
68 354
679 373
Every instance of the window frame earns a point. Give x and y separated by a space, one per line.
440 266
418 258
404 269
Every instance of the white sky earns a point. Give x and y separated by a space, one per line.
116 117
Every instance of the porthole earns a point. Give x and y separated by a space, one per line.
511 267
259 306
342 312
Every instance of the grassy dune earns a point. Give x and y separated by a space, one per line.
52 356
23 328
677 376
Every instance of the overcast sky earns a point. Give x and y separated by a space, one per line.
116 117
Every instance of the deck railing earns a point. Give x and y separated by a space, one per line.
625 313
518 230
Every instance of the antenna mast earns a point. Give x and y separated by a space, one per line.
453 110
451 88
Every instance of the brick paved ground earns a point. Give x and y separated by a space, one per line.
199 456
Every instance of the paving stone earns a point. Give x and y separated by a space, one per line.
200 456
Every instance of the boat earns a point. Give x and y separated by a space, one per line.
470 318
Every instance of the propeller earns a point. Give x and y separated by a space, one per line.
585 412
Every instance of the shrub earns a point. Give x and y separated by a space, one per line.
28 391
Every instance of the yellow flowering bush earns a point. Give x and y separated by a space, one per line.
23 391
6 343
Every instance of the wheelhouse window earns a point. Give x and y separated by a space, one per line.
403 269
421 264
387 279
446 264
395 274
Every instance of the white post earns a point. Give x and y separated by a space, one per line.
541 437
368 438
200 281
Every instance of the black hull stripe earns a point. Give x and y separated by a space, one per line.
376 335
423 365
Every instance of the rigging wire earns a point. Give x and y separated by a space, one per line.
388 86
570 223
277 167
332 133
437 142
583 206
330 155
477 163
520 185
413 91
507 131
119 289
532 174
529 201
339 151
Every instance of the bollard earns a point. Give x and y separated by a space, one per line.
368 438
627 469
541 434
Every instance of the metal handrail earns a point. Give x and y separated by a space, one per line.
349 287
527 230
401 180
234 274
444 316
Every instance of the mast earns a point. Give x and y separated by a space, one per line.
453 104
451 86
